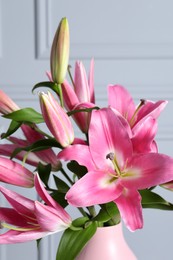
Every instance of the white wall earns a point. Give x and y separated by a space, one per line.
132 43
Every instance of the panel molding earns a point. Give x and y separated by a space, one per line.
0 29
148 91
97 50
42 26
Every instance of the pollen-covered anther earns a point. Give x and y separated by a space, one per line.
110 156
143 101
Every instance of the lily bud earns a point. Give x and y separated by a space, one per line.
56 119
13 173
60 52
7 105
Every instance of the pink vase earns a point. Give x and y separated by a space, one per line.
108 243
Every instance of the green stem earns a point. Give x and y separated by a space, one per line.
82 211
60 95
92 211
41 132
66 176
71 78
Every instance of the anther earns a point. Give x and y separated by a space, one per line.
110 156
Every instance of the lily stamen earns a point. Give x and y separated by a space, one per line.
132 120
112 157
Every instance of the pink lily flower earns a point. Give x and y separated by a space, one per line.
82 96
13 173
120 99
142 119
56 119
30 220
115 173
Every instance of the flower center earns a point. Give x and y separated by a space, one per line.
112 157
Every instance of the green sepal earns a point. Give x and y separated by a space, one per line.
25 115
72 242
13 127
151 199
82 110
61 185
44 172
49 84
39 145
59 197
77 169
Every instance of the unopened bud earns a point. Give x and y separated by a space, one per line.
60 52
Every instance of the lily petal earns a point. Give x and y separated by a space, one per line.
94 188
48 218
108 135
91 81
20 203
11 216
143 135
120 99
49 200
31 158
13 173
13 236
82 119
69 95
7 105
129 205
78 152
151 109
81 83
147 170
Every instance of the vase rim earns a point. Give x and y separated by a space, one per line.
113 226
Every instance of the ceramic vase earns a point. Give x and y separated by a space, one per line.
108 243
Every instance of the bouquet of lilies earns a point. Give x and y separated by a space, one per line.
108 173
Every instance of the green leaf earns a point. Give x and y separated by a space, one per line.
102 216
25 115
72 242
12 128
77 169
151 199
44 172
39 145
61 185
80 222
82 110
113 214
111 209
48 84
59 197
